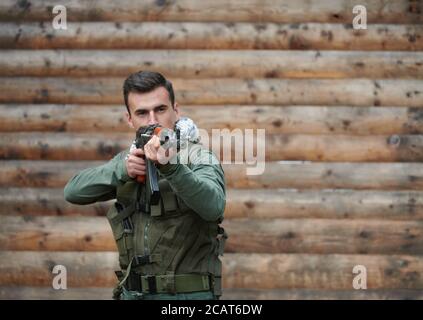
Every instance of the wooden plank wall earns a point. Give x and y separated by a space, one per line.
347 104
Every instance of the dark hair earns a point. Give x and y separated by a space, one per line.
146 81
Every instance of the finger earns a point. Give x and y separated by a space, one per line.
150 154
147 152
155 142
137 167
138 172
143 169
137 160
137 152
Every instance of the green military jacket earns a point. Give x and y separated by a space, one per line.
180 235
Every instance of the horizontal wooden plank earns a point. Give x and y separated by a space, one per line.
285 11
393 176
49 293
57 146
40 173
324 236
326 92
382 176
316 236
211 35
213 63
56 233
102 146
309 271
45 202
275 119
327 203
93 269
255 203
93 293
247 271
306 294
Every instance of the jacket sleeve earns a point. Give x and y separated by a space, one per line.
98 183
201 184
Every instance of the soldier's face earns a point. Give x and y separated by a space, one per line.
151 108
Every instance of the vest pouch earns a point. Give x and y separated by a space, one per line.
170 205
122 234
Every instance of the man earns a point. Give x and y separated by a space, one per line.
168 250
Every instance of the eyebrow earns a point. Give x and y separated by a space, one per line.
154 108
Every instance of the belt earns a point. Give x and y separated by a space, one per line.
176 283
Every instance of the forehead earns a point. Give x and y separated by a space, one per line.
148 100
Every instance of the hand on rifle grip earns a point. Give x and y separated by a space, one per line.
135 165
141 178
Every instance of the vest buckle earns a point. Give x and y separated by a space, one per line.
152 287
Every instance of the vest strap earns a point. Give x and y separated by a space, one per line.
156 210
170 283
123 214
131 279
142 260
221 238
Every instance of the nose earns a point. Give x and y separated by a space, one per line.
152 118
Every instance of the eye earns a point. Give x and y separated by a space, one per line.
162 109
141 113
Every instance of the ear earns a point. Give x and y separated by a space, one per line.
129 120
176 108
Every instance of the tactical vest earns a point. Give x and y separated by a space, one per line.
169 240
